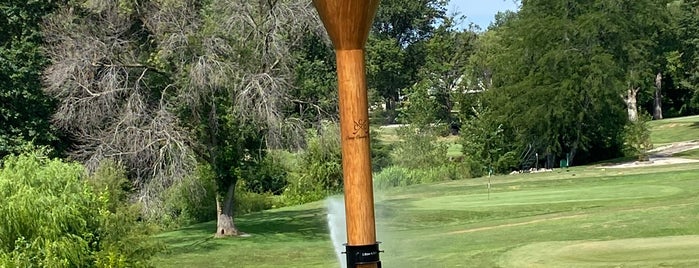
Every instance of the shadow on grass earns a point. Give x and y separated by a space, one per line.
264 227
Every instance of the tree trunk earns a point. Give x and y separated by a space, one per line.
225 225
658 107
631 103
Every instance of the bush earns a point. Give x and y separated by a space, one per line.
396 176
319 173
248 202
51 217
637 138
190 201
269 175
380 152
393 177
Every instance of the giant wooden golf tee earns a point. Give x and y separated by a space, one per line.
348 23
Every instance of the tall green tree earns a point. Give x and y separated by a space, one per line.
448 53
25 110
313 97
396 48
564 65
683 57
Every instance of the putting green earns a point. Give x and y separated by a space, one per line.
672 251
517 197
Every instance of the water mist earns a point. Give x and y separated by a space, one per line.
337 227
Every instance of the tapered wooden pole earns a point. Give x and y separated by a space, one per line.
348 23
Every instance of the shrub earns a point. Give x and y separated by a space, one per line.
393 177
319 171
637 138
380 152
192 200
396 176
248 202
51 217
269 176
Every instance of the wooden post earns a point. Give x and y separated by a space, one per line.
348 23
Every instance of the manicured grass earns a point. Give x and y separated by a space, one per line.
580 217
675 130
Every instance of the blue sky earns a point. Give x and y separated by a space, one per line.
481 12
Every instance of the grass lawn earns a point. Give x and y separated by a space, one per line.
581 217
589 216
674 130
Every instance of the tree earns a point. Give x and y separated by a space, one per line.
25 113
448 52
683 58
233 91
166 84
396 49
560 74
313 97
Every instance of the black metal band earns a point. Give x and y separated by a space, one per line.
367 254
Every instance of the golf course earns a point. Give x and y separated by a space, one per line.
599 215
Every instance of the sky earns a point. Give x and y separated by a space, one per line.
481 12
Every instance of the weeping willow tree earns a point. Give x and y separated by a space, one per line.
164 84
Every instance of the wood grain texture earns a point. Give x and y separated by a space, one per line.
348 22
356 154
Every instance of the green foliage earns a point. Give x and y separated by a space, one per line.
110 179
248 202
25 113
394 176
682 56
559 69
396 49
190 201
314 98
421 109
52 218
418 148
269 175
397 176
319 172
637 140
486 143
380 152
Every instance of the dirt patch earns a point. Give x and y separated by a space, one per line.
663 155
654 161
675 148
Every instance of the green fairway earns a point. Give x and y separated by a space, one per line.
672 251
675 130
583 217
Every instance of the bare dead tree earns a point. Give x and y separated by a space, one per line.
658 97
113 101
